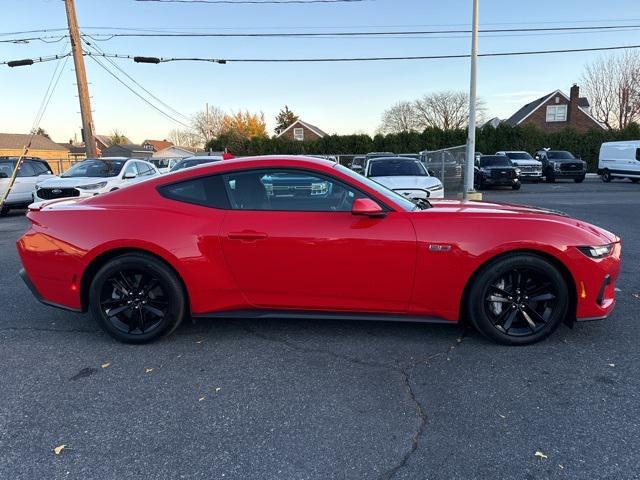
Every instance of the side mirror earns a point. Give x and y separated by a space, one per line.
129 176
366 207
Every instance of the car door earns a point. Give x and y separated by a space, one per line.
291 241
25 183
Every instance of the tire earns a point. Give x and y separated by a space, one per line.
635 180
140 287
579 179
516 186
550 177
4 211
492 301
606 176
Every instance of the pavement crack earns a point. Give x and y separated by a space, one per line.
47 329
404 371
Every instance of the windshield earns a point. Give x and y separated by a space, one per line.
95 168
396 167
407 205
560 155
495 161
160 162
519 156
6 168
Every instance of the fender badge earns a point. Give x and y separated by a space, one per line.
436 247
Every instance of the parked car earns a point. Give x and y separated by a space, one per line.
444 165
619 160
357 164
559 164
406 176
32 171
496 171
371 155
363 252
164 165
95 176
415 156
530 168
195 161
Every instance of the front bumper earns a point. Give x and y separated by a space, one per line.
501 182
569 174
595 283
531 175
415 193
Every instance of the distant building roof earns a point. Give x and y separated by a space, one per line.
525 111
19 140
313 128
158 144
132 149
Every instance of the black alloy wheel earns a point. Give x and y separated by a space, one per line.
606 176
518 299
136 298
516 186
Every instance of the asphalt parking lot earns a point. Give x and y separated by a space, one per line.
323 400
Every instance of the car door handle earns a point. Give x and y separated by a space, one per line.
247 235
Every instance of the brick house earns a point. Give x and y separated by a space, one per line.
12 145
556 111
157 145
301 131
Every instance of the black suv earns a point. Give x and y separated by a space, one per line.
495 171
557 164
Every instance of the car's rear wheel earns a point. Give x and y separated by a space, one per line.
136 298
635 180
518 299
606 176
516 186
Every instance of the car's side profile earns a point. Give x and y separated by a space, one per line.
239 248
32 171
95 176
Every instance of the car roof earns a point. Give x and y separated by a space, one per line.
404 159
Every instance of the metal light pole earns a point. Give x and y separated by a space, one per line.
471 138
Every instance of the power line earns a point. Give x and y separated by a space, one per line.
115 65
30 61
132 90
404 33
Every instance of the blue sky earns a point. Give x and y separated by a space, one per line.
339 98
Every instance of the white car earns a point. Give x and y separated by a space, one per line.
95 176
620 160
530 168
32 171
164 164
406 176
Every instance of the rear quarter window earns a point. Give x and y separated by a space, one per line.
205 191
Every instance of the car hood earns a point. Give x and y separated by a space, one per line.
508 210
527 163
59 182
408 182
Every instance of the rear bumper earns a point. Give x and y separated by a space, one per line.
34 291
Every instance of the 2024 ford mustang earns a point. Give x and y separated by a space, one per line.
302 237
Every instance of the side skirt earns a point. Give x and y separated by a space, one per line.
321 315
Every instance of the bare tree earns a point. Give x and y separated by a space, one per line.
185 138
401 117
612 85
208 124
448 110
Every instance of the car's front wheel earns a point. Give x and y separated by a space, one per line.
137 298
518 299
4 211
579 179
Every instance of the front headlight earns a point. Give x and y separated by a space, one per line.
599 251
93 186
556 166
518 171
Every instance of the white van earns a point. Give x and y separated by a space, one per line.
621 160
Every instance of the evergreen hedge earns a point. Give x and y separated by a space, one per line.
488 140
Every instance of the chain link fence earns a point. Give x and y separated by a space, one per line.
448 165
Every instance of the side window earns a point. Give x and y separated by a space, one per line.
288 190
144 169
205 191
40 168
638 154
131 170
27 170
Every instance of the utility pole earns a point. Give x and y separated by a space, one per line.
471 138
81 77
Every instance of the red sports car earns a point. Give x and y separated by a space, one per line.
302 237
